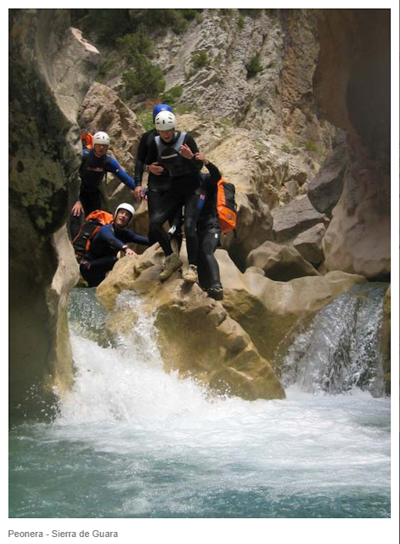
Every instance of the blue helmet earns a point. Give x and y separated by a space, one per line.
158 108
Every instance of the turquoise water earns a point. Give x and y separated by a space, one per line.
131 441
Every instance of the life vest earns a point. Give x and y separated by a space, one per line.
169 156
226 205
93 222
87 140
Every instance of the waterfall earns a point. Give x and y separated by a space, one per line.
131 441
340 348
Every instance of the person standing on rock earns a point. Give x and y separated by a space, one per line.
157 183
174 151
110 239
209 232
95 163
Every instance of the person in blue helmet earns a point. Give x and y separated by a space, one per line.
110 239
157 183
95 163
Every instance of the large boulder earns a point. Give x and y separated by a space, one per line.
196 335
358 237
298 216
309 244
325 189
280 263
228 345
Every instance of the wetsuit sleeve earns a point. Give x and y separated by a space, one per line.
141 156
131 236
106 234
116 169
195 164
214 173
152 155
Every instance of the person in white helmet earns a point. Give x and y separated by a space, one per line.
174 151
110 239
95 163
157 185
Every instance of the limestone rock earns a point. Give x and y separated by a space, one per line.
269 310
51 69
243 332
280 263
309 244
196 336
326 188
358 237
297 216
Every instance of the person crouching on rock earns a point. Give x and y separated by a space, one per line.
110 239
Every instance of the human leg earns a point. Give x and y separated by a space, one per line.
94 272
209 275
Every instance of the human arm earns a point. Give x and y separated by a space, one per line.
214 172
188 151
129 236
115 168
141 157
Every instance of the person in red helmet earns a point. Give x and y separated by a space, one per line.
95 163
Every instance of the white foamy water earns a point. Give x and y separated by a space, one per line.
142 443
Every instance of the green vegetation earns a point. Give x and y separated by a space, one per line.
145 118
105 25
172 96
132 32
135 44
143 79
162 20
310 146
200 60
254 67
254 13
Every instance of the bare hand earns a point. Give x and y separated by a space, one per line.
138 193
155 168
200 157
130 252
77 208
186 152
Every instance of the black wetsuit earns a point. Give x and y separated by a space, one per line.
185 190
102 254
157 186
209 231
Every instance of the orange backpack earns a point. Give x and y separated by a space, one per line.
226 205
93 222
87 140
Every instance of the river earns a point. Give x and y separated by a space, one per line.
131 441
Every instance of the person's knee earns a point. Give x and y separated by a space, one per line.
190 230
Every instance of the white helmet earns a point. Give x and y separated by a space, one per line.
101 138
124 206
165 120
